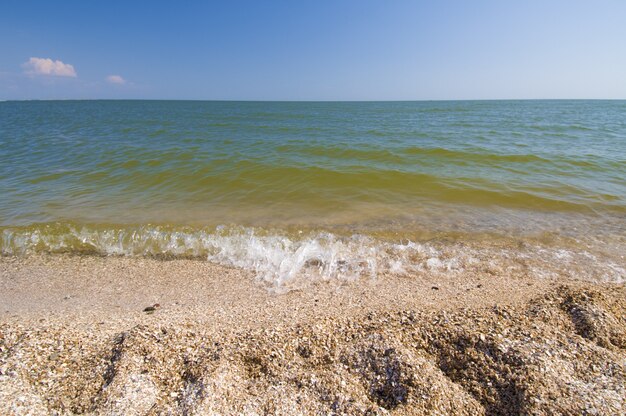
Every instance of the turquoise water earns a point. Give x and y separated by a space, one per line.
167 177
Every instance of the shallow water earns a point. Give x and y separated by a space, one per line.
330 189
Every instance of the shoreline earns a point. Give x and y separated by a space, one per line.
74 338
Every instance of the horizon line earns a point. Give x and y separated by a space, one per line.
311 101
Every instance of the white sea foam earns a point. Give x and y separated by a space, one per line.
279 258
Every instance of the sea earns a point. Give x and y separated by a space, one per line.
299 191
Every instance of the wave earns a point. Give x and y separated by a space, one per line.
258 182
281 258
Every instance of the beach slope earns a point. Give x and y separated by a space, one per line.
107 335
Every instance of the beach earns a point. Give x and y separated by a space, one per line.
285 258
313 208
118 335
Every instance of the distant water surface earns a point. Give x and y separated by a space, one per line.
344 183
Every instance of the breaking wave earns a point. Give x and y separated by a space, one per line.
280 258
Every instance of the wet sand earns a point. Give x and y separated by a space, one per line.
74 338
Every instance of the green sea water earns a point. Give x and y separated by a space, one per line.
339 189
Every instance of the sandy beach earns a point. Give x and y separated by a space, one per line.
75 337
313 208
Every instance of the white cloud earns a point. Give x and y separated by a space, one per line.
116 79
46 66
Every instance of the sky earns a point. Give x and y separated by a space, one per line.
313 50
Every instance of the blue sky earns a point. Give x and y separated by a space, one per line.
313 50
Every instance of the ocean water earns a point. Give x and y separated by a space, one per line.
327 190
